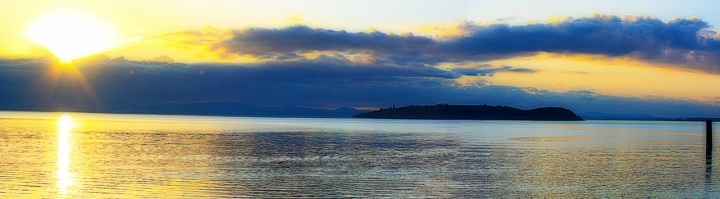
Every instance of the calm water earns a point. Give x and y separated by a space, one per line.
109 155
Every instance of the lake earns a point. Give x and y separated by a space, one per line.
139 156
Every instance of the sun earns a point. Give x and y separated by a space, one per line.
70 34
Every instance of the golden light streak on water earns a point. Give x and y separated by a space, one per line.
64 176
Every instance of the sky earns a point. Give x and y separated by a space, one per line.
631 57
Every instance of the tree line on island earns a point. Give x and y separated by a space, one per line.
472 112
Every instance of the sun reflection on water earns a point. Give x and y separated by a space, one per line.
65 178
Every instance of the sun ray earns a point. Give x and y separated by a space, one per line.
70 34
78 79
59 71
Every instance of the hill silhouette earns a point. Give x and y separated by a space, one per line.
473 112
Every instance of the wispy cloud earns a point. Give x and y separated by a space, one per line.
486 69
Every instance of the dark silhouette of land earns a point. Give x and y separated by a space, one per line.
473 112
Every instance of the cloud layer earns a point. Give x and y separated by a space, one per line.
687 42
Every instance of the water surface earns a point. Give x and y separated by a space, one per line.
112 155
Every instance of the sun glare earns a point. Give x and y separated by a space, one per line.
71 34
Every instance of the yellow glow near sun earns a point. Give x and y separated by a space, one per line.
70 34
64 176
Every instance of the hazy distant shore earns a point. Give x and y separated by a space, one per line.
249 110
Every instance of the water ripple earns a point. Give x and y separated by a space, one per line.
315 158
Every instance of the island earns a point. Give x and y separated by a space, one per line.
472 112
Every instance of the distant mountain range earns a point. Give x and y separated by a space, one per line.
212 109
242 109
473 112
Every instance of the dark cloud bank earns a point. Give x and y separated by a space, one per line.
402 69
687 42
121 83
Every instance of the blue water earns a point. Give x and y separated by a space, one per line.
131 156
